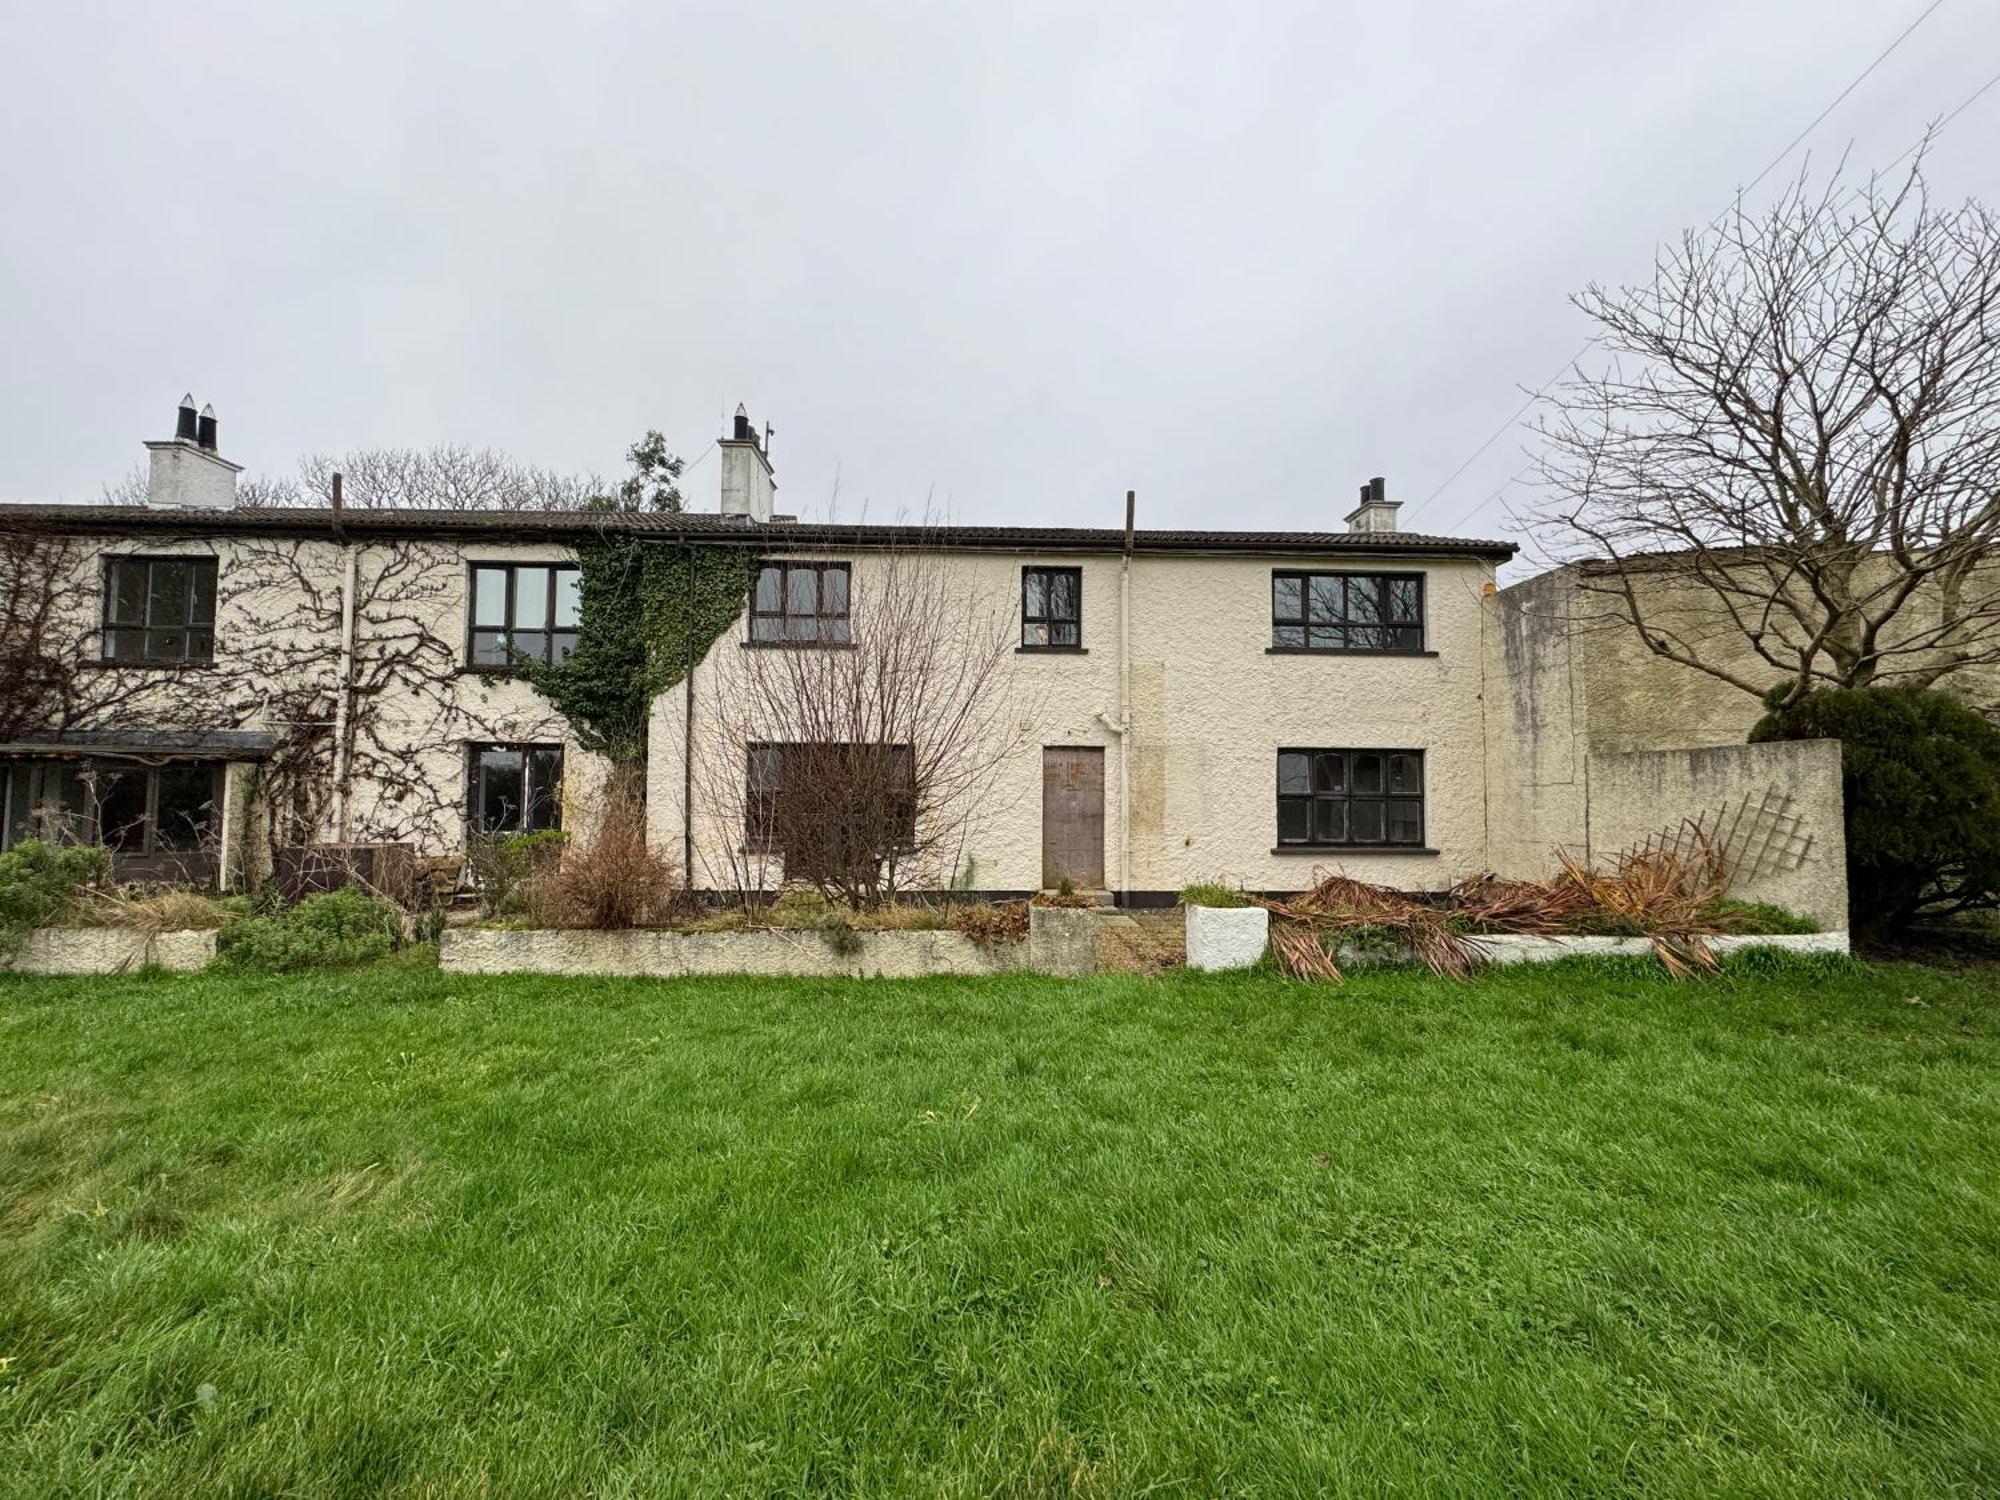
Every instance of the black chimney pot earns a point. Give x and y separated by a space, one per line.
1378 490
744 434
204 432
184 419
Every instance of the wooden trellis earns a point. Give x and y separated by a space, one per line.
1757 834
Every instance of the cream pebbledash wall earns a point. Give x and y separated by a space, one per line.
1210 706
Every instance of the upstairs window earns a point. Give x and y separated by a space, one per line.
524 609
516 788
1051 608
1351 797
800 603
1347 612
159 611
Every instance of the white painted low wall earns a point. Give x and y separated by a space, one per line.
1513 949
109 950
886 955
1226 937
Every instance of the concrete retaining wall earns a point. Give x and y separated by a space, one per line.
109 950
1513 949
886 955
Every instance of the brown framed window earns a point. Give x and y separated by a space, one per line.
828 802
130 809
524 609
1351 797
516 788
800 603
1051 608
1347 611
159 611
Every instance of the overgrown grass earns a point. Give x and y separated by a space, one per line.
1575 1230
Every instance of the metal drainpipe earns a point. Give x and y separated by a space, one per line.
687 718
1125 705
341 711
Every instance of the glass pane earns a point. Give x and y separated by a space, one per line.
1329 771
1034 592
201 610
1293 772
1405 599
1288 635
1329 820
184 806
121 810
1294 820
62 804
1323 602
1064 633
801 591
531 598
166 645
1034 635
770 588
1365 822
532 643
489 648
124 643
766 628
489 596
1367 775
801 627
201 645
1402 637
1404 776
833 591
1367 637
500 784
545 787
1327 638
166 600
127 588
1406 822
565 644
569 596
1284 596
1364 599
837 631
1062 595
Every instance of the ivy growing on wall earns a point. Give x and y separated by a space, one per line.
649 609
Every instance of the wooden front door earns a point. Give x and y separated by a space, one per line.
1073 817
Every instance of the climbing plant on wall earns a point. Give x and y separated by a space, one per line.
649 610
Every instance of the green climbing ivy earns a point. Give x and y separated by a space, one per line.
649 608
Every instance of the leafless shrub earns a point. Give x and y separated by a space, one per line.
609 880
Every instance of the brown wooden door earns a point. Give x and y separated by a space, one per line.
1073 817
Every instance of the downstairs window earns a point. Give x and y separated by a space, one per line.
1351 797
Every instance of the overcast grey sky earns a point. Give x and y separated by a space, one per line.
1025 256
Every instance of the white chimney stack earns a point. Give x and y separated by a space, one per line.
187 473
1376 512
748 489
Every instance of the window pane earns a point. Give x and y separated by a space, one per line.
501 783
201 645
1365 821
801 591
1402 637
532 643
1367 637
1294 820
1034 592
802 627
770 589
1284 596
124 643
569 597
166 645
121 810
127 589
1326 638
1329 771
1288 635
184 806
1406 822
531 598
166 599
833 591
1293 772
564 644
1405 599
201 609
1329 820
836 631
1063 595
1034 635
1323 600
1367 775
1404 776
1064 633
1364 599
489 648
489 596
544 787
766 628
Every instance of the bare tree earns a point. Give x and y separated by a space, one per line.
48 601
864 753
1788 469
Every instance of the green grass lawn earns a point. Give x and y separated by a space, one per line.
1575 1230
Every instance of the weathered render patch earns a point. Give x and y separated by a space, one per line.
875 955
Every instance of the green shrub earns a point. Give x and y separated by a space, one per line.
505 866
329 930
1921 772
1212 893
39 884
